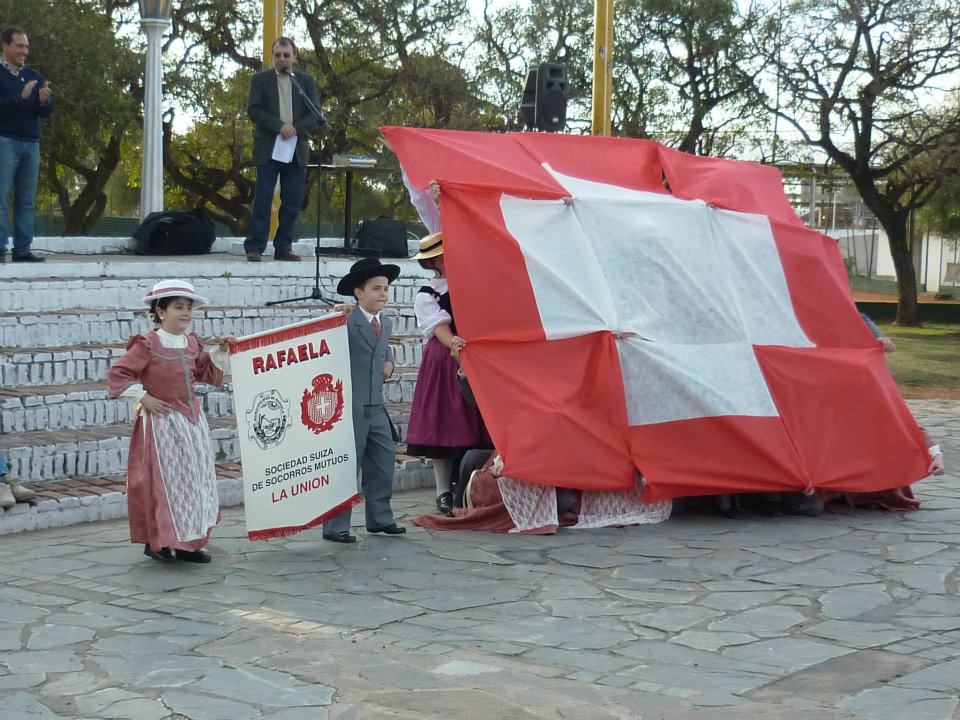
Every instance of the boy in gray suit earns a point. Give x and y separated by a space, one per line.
371 362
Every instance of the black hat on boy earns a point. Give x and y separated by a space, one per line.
364 269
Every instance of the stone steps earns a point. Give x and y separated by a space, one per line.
65 321
46 454
41 366
53 454
38 366
82 405
73 500
78 328
121 282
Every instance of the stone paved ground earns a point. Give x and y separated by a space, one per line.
850 615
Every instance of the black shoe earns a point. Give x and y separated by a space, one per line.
253 256
391 529
340 537
3 256
26 256
197 556
164 555
286 255
445 503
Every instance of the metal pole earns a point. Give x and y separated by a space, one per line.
347 208
151 173
603 14
272 29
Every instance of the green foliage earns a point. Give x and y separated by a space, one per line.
210 164
521 35
690 71
863 81
683 71
941 215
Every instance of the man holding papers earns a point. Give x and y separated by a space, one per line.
282 123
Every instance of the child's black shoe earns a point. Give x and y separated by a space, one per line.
445 504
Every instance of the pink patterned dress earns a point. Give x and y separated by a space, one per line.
171 481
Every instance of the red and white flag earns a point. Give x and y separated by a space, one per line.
697 331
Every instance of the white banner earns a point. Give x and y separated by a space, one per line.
291 396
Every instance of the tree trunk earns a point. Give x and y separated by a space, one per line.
80 215
908 311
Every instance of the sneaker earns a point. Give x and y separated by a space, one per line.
26 256
7 500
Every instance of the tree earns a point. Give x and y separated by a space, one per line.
95 79
683 71
864 82
515 37
686 72
211 163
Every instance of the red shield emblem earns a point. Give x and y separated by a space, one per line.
321 407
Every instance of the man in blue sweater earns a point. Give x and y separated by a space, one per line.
24 101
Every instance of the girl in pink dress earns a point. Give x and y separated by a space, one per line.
172 498
443 425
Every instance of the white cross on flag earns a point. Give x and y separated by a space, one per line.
700 334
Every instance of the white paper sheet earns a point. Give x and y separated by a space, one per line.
283 150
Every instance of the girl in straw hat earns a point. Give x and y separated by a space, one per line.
171 482
443 426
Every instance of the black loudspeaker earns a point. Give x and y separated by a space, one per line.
543 105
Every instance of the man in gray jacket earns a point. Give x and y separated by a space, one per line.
371 362
279 111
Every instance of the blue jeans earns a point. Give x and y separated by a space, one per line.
293 178
3 465
19 167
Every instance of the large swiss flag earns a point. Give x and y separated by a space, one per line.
693 329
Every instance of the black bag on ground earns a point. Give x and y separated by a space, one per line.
381 237
175 233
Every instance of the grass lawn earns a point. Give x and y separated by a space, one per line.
926 363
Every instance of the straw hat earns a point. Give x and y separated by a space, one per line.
173 288
430 247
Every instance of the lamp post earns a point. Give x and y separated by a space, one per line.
154 19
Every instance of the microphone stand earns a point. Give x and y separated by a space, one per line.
315 293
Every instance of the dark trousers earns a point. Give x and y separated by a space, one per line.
375 457
293 179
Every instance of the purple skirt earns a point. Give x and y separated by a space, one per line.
441 421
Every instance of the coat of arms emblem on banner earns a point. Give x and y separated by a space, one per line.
323 406
268 419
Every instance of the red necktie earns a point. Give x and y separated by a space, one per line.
375 324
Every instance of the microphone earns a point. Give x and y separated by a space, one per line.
312 107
